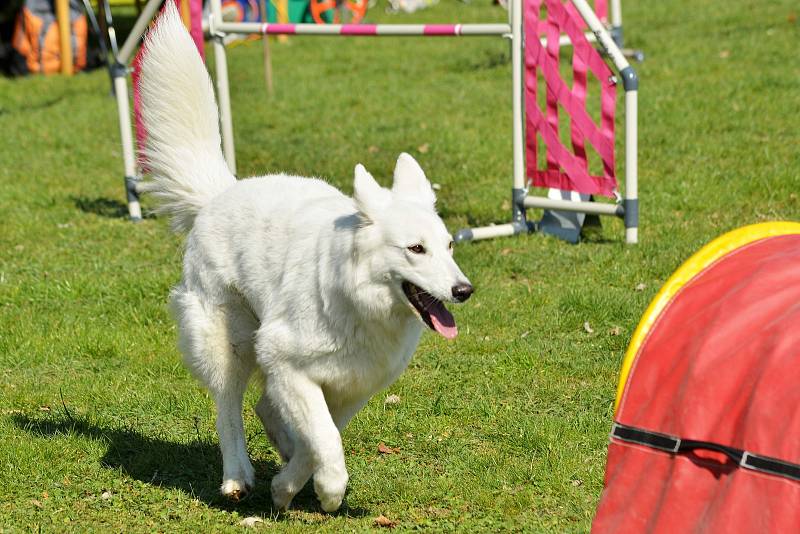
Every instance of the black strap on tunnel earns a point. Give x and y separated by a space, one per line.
676 445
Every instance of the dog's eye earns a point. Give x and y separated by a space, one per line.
417 249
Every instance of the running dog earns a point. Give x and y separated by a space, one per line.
323 295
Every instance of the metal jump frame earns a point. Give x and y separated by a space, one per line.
627 208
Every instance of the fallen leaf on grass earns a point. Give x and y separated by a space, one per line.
577 482
423 149
385 522
385 449
725 54
105 495
37 503
44 408
250 521
640 286
373 149
615 331
505 252
525 334
588 328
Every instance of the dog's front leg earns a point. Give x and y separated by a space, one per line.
317 443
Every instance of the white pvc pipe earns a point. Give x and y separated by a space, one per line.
223 92
488 232
572 205
139 27
631 160
517 61
363 30
126 136
616 14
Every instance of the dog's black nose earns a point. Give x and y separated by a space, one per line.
461 292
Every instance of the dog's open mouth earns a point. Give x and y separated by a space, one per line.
431 310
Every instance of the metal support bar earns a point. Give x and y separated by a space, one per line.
517 85
119 74
616 23
223 92
597 208
603 37
139 27
631 168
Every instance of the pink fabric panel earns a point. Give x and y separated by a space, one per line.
601 10
552 60
608 90
575 175
196 14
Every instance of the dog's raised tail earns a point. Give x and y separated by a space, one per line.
182 151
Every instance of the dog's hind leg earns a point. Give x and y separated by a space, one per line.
216 339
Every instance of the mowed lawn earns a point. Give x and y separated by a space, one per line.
504 428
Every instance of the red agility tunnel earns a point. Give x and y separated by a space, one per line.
706 435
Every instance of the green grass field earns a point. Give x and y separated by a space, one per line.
102 429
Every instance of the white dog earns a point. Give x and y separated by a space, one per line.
322 294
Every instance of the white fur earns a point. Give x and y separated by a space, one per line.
285 276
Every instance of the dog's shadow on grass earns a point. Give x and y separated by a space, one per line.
194 468
105 207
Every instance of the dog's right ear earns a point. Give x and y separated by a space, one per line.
371 199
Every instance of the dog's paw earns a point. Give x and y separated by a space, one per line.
330 485
236 490
282 492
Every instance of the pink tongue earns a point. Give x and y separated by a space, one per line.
443 320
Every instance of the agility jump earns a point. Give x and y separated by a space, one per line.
566 174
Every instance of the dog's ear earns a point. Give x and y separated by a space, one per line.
371 199
410 182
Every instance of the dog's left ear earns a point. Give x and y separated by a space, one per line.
371 199
410 182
